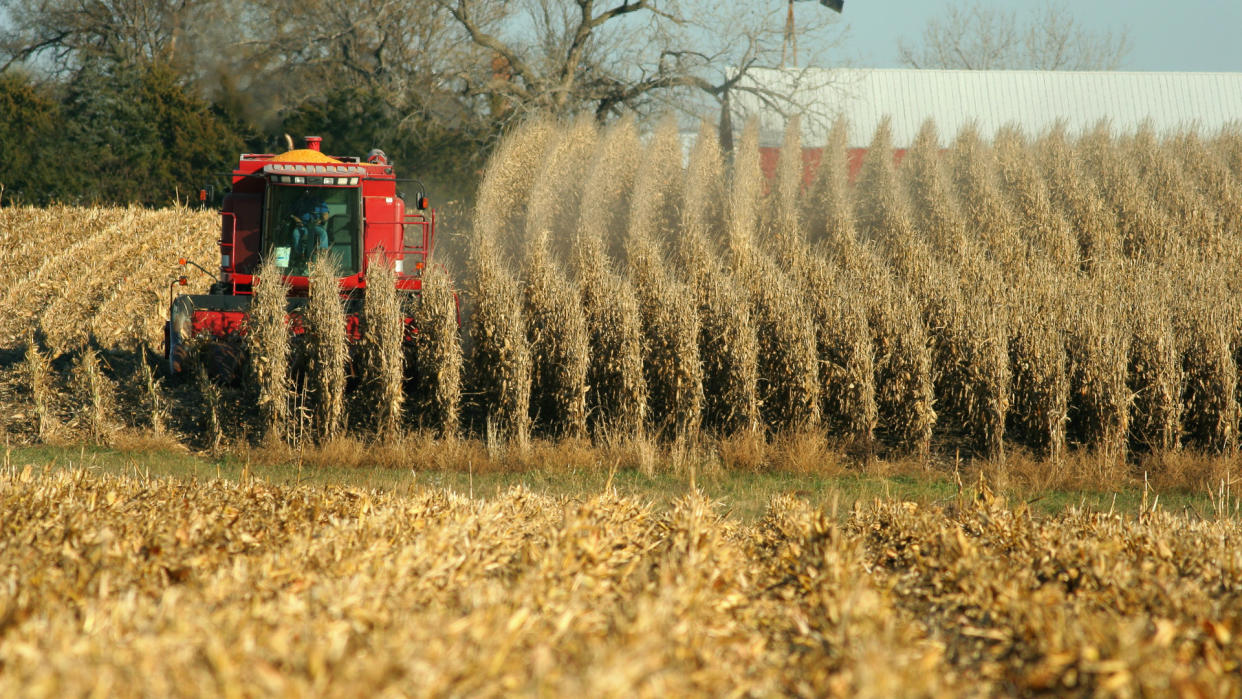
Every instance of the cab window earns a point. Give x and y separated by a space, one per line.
303 221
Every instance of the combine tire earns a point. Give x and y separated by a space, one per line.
174 350
176 331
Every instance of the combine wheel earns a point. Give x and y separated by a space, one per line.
176 332
174 350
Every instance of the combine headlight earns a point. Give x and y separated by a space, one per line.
297 179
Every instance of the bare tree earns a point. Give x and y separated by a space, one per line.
978 36
64 35
399 51
469 66
565 56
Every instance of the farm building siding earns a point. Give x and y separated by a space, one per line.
1032 99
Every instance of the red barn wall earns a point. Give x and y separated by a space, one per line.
770 156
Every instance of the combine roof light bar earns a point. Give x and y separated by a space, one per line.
283 173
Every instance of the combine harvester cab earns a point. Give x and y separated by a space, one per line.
289 206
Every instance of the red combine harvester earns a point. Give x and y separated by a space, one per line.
294 205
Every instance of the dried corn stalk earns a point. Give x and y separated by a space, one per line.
382 351
267 341
560 353
436 356
327 348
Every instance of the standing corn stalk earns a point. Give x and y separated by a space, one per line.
936 289
327 348
988 216
787 360
903 356
784 225
1210 176
606 195
1196 224
671 364
97 391
500 362
267 340
1099 349
557 189
846 353
617 395
1141 224
38 374
883 215
657 196
670 321
703 210
828 210
1029 196
1211 405
1228 142
209 394
501 207
728 344
745 197
788 388
1039 364
933 204
1156 379
436 358
383 333
1075 194
904 389
156 402
987 325
560 353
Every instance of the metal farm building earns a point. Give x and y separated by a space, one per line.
1031 99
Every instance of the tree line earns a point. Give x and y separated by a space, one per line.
146 101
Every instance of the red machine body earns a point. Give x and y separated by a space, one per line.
358 213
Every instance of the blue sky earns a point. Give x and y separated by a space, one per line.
1192 35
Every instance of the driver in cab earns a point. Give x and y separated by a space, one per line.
310 231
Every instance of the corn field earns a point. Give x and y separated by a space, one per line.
133 586
1050 295
1053 293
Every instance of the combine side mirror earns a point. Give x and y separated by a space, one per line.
421 203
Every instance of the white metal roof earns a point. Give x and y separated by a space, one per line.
1032 99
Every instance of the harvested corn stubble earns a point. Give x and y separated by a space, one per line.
165 586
